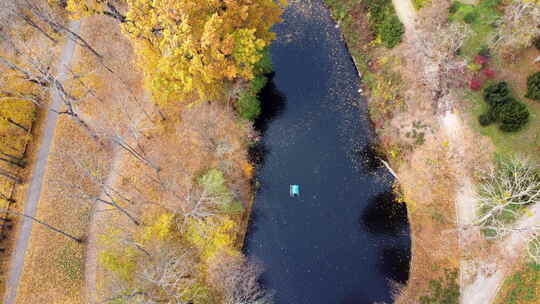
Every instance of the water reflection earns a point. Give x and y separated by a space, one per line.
384 216
370 158
394 263
273 104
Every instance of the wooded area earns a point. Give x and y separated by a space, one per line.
148 187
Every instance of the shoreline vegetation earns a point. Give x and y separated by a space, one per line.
150 165
429 100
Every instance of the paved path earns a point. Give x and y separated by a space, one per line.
34 190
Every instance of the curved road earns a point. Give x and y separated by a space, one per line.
34 190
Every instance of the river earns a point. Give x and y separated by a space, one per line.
344 240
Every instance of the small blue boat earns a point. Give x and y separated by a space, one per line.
294 190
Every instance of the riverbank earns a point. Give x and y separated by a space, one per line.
433 139
417 147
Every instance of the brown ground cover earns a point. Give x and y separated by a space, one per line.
54 266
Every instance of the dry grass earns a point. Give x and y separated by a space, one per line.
425 180
53 265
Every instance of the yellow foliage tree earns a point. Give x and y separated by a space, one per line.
17 111
197 47
213 236
84 8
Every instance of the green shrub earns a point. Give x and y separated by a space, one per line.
418 4
445 290
513 115
485 119
454 7
521 286
264 66
533 86
485 52
248 105
214 184
536 43
391 31
384 22
470 18
497 93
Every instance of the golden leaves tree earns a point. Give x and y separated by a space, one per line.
84 8
198 48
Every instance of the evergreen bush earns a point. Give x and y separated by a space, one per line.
497 93
385 22
533 86
536 43
454 7
470 18
485 119
391 31
513 115
248 105
485 52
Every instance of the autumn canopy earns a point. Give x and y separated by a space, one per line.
201 47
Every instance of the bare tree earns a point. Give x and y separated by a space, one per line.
14 10
93 173
134 148
533 248
503 191
238 280
436 46
518 27
11 176
162 277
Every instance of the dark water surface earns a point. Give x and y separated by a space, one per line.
344 239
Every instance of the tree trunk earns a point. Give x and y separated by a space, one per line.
12 159
30 22
18 125
10 176
6 198
74 238
115 205
20 165
114 13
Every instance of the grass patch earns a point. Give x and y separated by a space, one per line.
418 4
445 290
525 141
481 18
341 8
69 262
521 287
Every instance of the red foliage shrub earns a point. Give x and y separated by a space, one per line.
489 73
481 60
475 84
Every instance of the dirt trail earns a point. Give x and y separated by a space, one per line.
406 13
478 280
90 263
490 275
36 183
511 248
482 290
